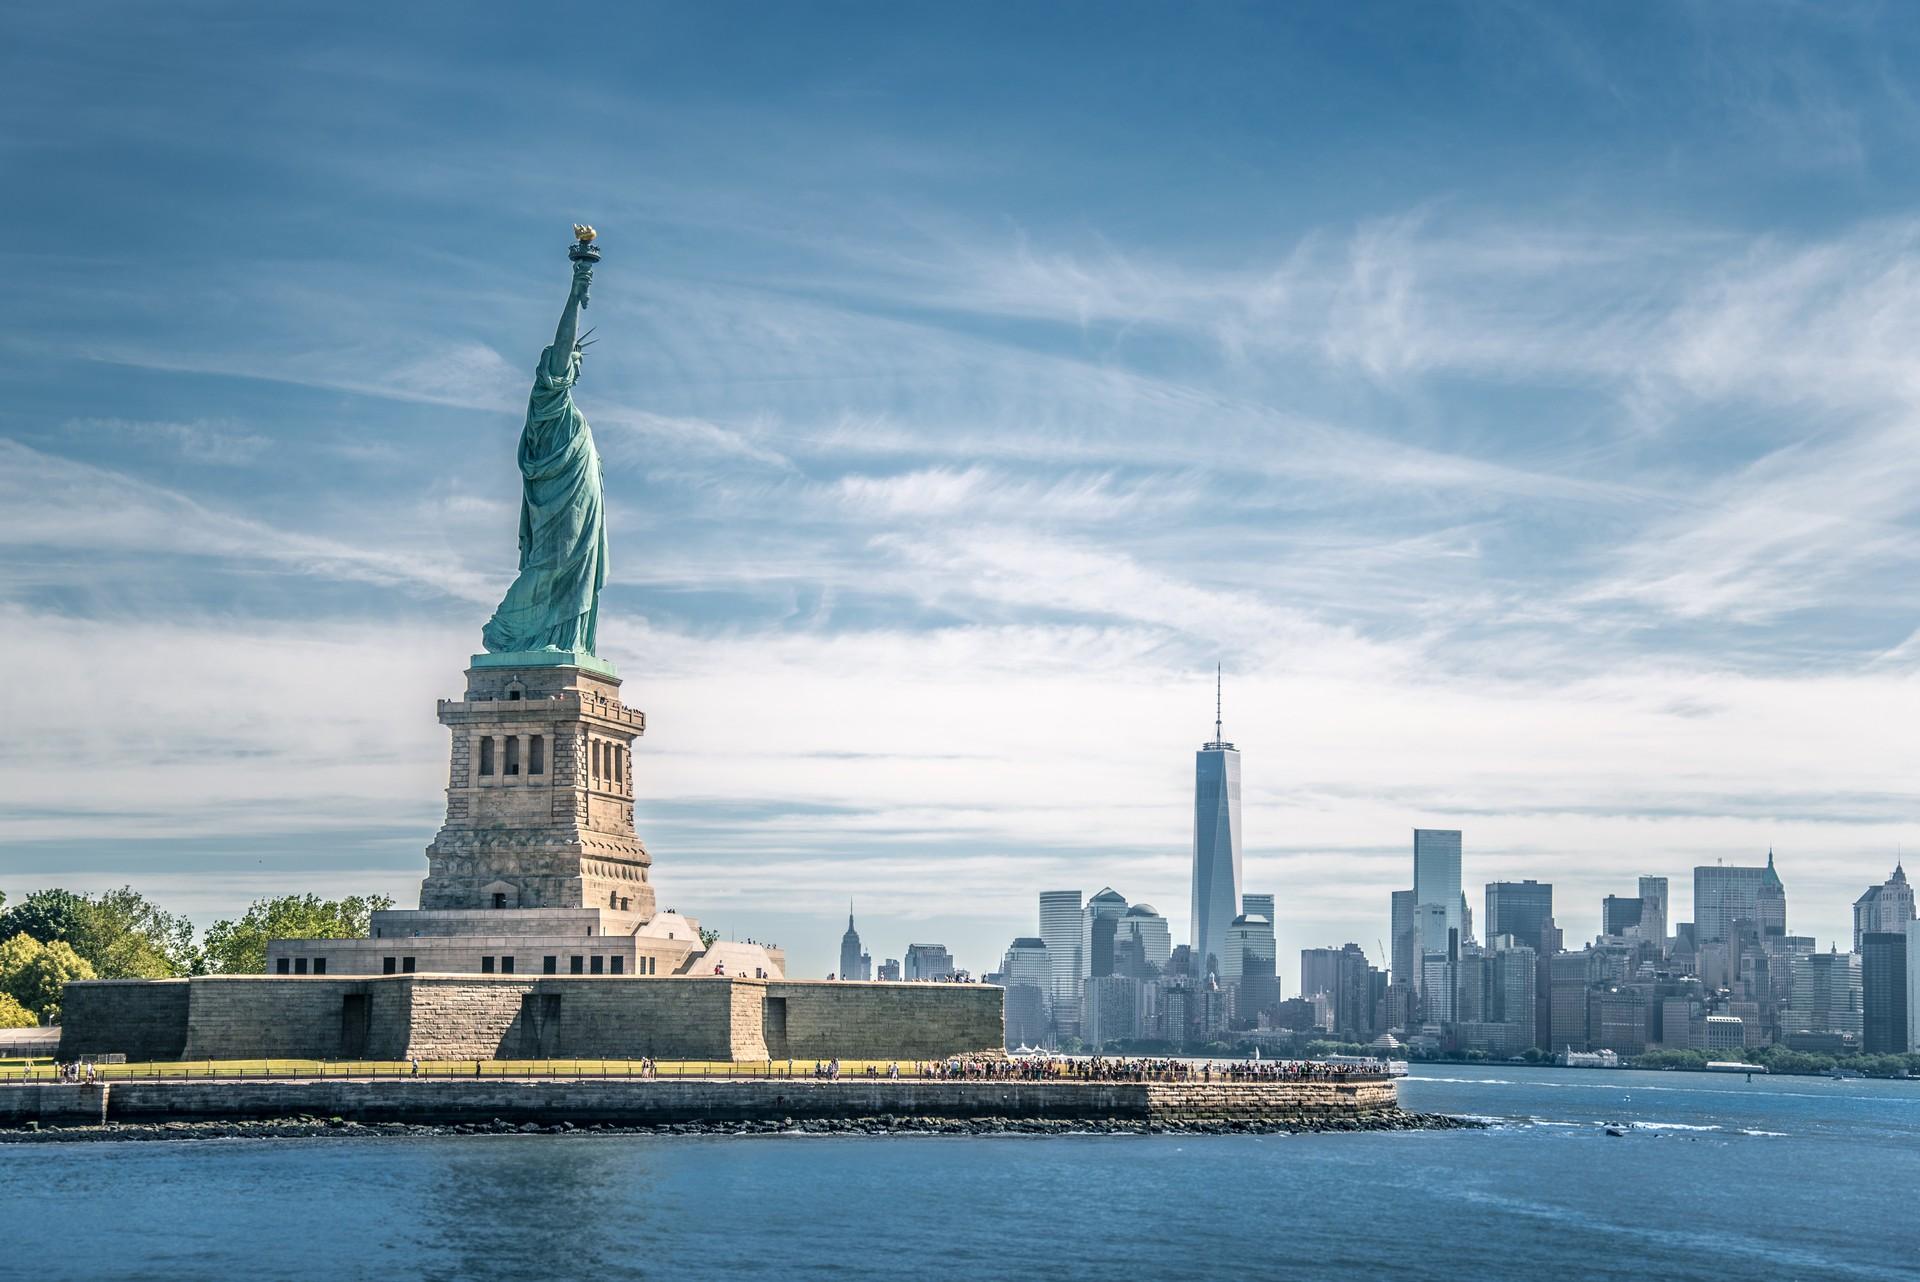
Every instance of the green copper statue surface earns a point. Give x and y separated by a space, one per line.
554 604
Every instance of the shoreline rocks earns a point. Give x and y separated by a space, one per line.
339 1128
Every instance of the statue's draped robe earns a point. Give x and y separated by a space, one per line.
555 603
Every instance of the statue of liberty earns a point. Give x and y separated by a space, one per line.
554 604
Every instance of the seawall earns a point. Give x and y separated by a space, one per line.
439 1017
659 1102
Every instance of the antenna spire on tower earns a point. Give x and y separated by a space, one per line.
1216 703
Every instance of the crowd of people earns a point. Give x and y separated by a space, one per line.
1100 1068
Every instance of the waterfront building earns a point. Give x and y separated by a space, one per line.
1099 924
1570 975
1724 895
1826 995
1680 1024
1495 1007
1519 908
1617 1019
1216 847
1026 972
929 961
1654 898
1887 907
1883 992
1725 1033
1511 980
1060 927
853 963
1551 940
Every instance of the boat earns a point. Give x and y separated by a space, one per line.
1734 1066
1590 1059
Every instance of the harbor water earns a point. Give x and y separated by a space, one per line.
1708 1177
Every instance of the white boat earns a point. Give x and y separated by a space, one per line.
1590 1059
1733 1066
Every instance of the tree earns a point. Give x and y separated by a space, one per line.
707 937
240 947
125 935
47 915
14 1015
121 933
34 974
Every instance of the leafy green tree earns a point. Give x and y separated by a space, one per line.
33 973
125 935
14 1015
47 915
240 947
708 937
121 933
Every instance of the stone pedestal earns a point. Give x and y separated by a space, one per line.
540 792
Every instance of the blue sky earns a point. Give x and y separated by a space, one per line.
1518 401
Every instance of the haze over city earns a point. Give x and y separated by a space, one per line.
1520 407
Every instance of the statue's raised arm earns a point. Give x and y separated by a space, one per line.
565 336
554 603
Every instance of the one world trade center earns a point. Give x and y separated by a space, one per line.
1216 846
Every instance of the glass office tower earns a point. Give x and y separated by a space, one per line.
1216 852
1436 875
1060 929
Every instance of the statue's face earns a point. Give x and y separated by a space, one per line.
576 362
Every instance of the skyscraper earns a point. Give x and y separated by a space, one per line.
1723 895
1913 987
1619 914
1060 928
1144 936
1216 846
1433 945
1826 995
850 950
1883 992
1401 961
1248 966
1886 907
1099 926
1436 874
1520 909
1028 976
929 961
1257 905
1653 911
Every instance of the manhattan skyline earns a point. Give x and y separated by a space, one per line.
1521 406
